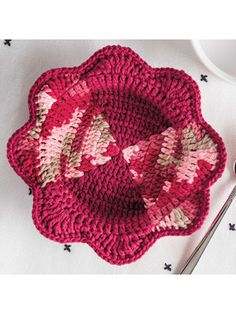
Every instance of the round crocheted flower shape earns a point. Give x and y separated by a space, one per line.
117 154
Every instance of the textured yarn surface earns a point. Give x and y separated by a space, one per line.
117 154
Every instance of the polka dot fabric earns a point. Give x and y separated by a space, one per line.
117 154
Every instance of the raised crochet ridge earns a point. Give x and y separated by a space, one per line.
117 154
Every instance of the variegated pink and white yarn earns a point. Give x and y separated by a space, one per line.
117 154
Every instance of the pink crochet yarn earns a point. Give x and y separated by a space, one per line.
117 154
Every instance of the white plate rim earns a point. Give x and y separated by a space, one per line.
209 64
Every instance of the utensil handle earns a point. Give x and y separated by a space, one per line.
197 253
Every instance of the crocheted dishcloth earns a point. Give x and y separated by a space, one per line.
117 154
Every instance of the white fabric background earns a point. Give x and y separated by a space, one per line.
22 248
